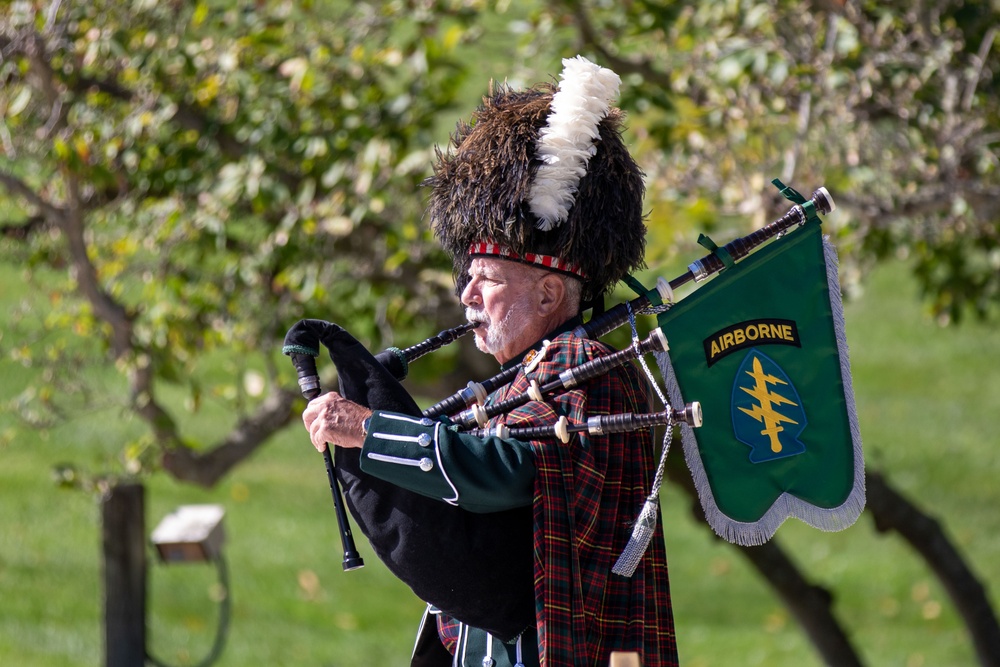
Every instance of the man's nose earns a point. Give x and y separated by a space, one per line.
470 295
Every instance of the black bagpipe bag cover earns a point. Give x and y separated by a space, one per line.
475 567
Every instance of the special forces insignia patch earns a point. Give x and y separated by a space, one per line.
766 410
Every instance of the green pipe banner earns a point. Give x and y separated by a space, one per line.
762 348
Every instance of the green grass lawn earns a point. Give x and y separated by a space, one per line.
928 400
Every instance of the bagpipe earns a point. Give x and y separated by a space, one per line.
750 415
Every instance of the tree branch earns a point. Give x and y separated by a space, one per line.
590 39
811 605
206 469
71 220
930 199
105 306
18 188
22 230
189 118
978 62
891 511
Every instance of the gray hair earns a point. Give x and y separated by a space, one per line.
574 290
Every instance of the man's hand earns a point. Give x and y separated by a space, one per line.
333 418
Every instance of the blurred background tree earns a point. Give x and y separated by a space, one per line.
184 178
189 178
893 106
182 181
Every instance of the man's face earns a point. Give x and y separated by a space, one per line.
501 294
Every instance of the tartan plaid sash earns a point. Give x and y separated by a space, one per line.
584 611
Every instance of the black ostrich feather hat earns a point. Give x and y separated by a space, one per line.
543 176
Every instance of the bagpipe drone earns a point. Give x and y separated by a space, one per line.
769 429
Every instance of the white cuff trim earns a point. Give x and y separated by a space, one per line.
422 421
424 463
444 473
397 438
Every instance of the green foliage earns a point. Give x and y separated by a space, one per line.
230 168
240 160
889 105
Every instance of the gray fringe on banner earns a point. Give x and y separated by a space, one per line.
758 532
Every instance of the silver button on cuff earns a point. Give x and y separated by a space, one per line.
426 464
424 440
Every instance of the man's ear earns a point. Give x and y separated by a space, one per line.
552 294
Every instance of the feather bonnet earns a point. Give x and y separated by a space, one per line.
543 176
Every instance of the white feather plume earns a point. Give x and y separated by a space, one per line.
567 142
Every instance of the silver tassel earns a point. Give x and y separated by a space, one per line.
645 524
642 535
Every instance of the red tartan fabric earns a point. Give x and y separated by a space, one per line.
448 629
584 612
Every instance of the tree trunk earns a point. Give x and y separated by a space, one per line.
892 511
124 550
809 604
206 468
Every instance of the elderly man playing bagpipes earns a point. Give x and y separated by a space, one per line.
540 206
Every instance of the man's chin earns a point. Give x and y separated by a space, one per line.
481 342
